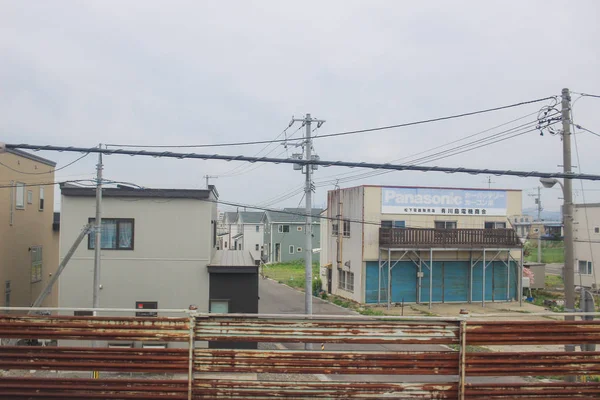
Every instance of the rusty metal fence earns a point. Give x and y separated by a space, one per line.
355 357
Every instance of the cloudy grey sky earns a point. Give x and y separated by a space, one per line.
181 72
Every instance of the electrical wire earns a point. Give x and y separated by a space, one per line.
587 94
587 130
401 125
47 172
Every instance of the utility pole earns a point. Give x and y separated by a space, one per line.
209 177
569 269
97 245
538 203
307 144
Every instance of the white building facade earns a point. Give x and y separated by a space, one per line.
586 238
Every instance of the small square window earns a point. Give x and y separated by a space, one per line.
597 229
257 228
256 247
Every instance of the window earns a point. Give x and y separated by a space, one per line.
299 229
334 229
256 247
117 234
521 219
445 224
7 291
283 228
219 306
495 225
291 249
346 230
257 228
41 199
20 196
393 224
29 197
146 305
597 229
299 250
36 264
585 267
346 280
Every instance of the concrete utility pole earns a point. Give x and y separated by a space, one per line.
569 270
307 143
538 203
207 177
98 237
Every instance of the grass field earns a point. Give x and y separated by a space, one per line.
291 274
552 252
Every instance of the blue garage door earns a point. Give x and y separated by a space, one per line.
450 281
404 282
496 276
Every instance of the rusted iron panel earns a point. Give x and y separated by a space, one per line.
94 328
553 390
532 332
326 362
359 331
57 388
98 359
230 389
533 363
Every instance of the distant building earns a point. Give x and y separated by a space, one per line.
285 237
421 244
521 224
28 243
586 237
251 228
230 236
547 229
154 253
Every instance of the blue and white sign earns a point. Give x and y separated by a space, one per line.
466 202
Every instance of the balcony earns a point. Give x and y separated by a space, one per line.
448 238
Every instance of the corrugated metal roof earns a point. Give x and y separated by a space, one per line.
232 258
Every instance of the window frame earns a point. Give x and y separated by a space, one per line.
346 224
21 186
495 224
334 228
345 280
42 199
118 220
446 222
35 271
30 197
291 249
589 268
281 228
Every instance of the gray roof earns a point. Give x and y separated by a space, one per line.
292 215
125 191
232 258
251 217
31 157
230 217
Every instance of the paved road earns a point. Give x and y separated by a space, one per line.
279 299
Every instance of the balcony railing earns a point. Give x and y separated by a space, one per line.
461 238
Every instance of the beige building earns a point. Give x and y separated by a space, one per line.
586 238
421 244
28 244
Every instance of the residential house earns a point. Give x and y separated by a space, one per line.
422 244
284 234
586 238
232 233
548 229
251 227
28 244
521 224
156 246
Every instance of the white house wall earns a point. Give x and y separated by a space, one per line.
172 246
586 243
253 238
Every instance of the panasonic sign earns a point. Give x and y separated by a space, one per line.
442 201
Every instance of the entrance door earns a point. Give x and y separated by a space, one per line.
329 279
277 252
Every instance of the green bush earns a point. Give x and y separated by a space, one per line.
316 286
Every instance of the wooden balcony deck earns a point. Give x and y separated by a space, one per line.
440 238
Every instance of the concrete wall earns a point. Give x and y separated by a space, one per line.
172 245
253 238
586 242
30 227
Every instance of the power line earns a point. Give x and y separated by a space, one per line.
402 125
587 130
587 94
324 163
47 172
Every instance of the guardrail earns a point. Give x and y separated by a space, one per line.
425 349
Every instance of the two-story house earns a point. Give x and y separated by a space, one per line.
422 244
28 244
156 246
230 238
285 236
251 228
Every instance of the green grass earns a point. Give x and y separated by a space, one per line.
552 251
291 274
554 281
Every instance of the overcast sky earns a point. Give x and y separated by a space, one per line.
157 72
